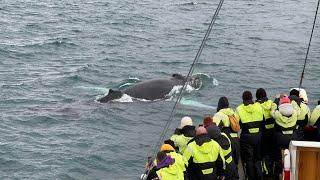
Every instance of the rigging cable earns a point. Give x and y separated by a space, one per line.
166 127
305 60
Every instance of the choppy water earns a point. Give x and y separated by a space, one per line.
57 57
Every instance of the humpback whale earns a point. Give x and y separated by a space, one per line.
153 89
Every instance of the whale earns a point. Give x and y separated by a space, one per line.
154 89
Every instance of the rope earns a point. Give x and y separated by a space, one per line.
166 127
305 60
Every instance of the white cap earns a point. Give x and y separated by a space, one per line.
286 109
185 121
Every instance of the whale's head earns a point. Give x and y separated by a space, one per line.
112 95
194 81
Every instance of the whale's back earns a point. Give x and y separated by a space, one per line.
153 89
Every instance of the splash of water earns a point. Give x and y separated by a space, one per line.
124 98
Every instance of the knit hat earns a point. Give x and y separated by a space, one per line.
261 94
201 130
207 121
247 97
284 100
185 121
214 132
223 103
166 147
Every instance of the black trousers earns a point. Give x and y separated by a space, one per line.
250 151
231 172
235 145
269 151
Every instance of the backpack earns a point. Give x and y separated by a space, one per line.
234 124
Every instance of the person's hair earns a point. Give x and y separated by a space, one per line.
294 92
261 94
223 103
247 96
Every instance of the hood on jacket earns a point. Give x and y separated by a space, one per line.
164 160
189 131
250 108
201 139
206 147
213 132
227 111
177 131
287 119
286 109
266 105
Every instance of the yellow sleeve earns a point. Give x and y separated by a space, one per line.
314 115
216 119
187 153
236 114
296 108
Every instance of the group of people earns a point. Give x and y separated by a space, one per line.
213 149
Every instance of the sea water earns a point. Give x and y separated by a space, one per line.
58 57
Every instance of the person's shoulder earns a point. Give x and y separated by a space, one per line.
240 106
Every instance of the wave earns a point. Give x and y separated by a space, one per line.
192 3
56 42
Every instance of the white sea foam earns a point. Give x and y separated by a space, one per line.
126 84
92 88
124 98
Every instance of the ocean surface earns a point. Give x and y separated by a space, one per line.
58 57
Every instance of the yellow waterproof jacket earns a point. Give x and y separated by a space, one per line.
268 119
284 124
250 117
266 106
315 116
181 142
204 156
221 118
304 115
175 170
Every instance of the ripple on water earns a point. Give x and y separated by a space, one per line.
56 57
